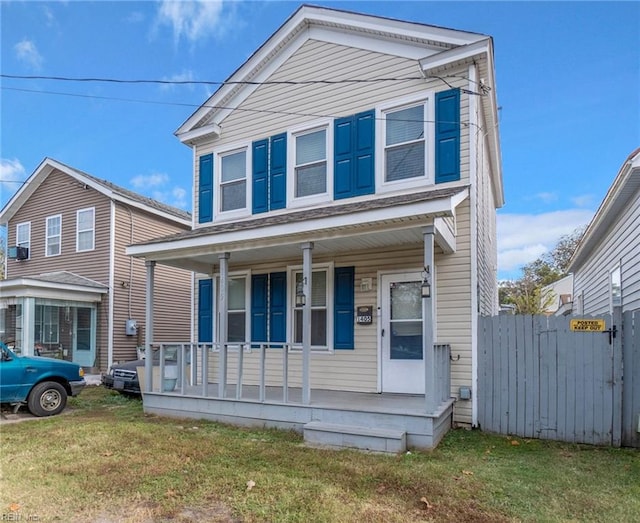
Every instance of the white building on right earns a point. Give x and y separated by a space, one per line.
606 264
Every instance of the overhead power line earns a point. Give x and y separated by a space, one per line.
483 88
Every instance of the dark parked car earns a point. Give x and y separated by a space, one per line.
43 384
123 377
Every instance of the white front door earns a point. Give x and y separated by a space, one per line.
401 323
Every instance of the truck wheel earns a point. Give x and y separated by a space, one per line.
47 399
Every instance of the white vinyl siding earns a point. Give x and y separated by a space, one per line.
317 59
85 229
53 235
620 246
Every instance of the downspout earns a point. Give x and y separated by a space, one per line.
112 261
474 129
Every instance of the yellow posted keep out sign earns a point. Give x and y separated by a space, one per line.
587 325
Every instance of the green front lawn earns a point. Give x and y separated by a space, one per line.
103 460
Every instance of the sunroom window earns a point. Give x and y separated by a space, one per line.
404 153
319 300
311 163
233 181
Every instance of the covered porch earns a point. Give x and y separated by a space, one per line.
339 389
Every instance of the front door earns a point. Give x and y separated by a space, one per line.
401 323
84 341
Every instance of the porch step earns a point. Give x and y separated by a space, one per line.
351 436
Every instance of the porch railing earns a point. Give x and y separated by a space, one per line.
193 362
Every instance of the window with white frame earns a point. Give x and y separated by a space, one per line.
23 235
319 308
310 163
54 235
85 226
237 309
47 324
233 180
404 145
615 279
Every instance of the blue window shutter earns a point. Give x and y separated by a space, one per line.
364 180
205 311
344 308
205 189
259 173
278 172
448 136
278 307
343 158
259 307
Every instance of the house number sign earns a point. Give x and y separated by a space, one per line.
365 315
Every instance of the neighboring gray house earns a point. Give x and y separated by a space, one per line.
352 222
606 264
70 291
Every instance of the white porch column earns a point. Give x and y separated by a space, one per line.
28 341
306 322
148 328
428 319
222 323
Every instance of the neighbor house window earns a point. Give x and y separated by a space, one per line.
85 225
615 278
54 233
23 235
47 324
311 163
319 317
237 310
404 153
233 181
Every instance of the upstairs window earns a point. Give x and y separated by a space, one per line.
23 235
233 181
54 233
311 163
404 153
85 226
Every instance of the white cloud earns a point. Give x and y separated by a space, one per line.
522 238
147 181
155 186
194 20
12 176
184 76
584 200
547 197
48 14
27 52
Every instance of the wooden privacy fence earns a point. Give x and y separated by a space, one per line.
537 378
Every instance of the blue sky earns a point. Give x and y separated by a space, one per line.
568 84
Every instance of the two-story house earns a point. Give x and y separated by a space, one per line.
346 179
70 290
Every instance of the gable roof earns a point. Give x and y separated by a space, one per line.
434 49
110 190
625 185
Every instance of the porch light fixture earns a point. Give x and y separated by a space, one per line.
301 299
426 285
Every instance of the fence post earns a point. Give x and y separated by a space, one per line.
617 340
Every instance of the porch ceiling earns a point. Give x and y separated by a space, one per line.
368 224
